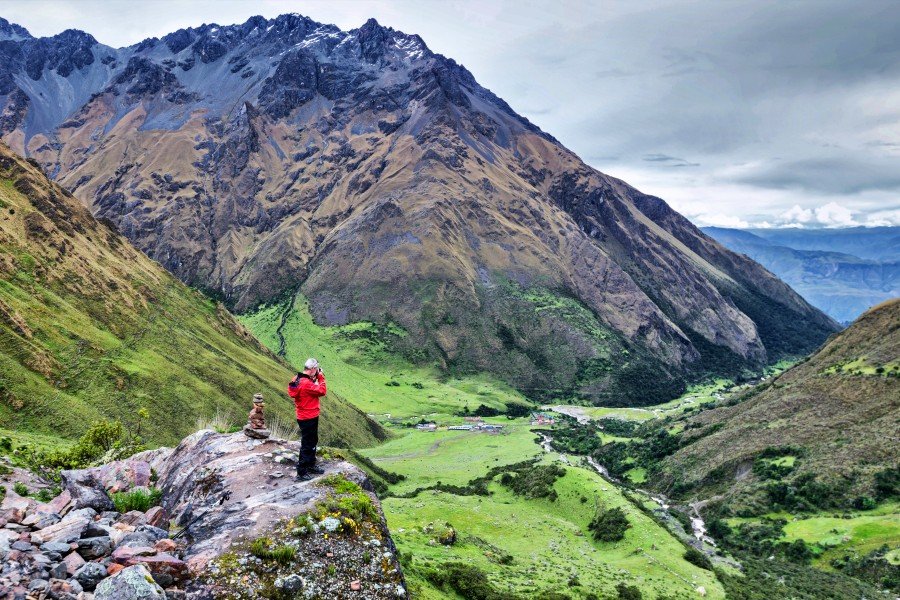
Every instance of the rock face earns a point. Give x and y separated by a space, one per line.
383 182
225 492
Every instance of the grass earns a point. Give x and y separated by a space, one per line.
546 541
140 500
452 457
360 368
525 546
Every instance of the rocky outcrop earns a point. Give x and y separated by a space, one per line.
232 520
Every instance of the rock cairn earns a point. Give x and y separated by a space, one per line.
256 420
78 547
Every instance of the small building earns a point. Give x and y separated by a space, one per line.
427 426
490 428
460 428
541 419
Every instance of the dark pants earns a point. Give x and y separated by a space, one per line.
309 439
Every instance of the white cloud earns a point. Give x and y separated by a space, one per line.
796 214
835 215
720 220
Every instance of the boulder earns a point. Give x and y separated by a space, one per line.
123 554
94 547
165 545
133 583
157 517
122 475
90 574
133 517
86 490
73 562
165 568
68 529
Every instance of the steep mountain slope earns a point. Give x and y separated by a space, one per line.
834 416
384 183
842 285
90 328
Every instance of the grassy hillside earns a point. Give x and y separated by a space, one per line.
90 328
362 364
832 417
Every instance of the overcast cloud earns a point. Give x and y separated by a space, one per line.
736 113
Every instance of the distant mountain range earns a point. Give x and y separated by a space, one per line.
844 272
382 182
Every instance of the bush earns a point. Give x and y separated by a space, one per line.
887 483
6 444
536 482
609 525
137 499
864 503
698 558
628 592
468 581
264 548
20 488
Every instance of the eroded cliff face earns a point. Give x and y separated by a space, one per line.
384 182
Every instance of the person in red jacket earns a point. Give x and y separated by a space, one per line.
306 389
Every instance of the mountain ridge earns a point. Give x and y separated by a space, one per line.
91 329
382 182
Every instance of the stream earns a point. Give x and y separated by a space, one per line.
698 526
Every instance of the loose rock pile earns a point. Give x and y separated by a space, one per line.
78 547
219 493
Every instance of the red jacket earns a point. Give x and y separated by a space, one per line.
306 394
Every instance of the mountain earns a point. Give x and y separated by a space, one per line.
90 329
842 285
873 243
833 417
378 180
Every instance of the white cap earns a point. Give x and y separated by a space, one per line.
311 363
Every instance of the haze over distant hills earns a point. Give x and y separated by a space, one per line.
844 272
382 182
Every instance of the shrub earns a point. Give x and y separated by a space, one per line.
887 483
6 444
20 488
628 592
536 482
864 503
468 581
698 558
609 525
137 499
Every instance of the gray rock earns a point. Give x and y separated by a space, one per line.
153 533
94 547
57 547
59 571
38 585
86 490
133 583
94 529
90 575
22 546
292 584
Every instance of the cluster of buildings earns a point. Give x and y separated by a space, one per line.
471 426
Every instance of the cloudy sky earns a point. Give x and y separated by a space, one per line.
737 113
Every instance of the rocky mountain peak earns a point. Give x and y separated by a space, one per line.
13 32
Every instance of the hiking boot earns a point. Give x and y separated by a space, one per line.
304 476
317 471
